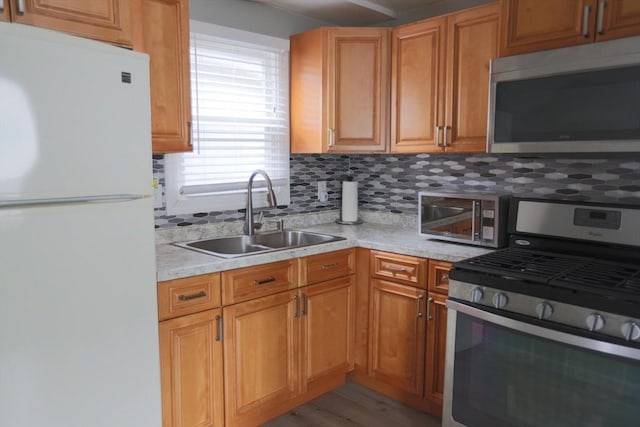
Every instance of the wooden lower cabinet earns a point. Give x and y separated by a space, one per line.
191 370
284 349
328 315
435 354
397 336
261 357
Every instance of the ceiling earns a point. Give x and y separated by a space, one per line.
350 12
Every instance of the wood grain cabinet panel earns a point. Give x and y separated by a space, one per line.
243 284
397 336
534 25
105 20
339 90
439 276
192 370
189 295
326 266
4 10
261 357
435 353
440 81
328 329
162 31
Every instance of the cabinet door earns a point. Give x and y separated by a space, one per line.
617 18
436 343
472 39
4 10
191 371
328 329
162 31
261 357
106 20
397 336
357 89
439 276
532 25
417 97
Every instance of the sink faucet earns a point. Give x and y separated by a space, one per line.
249 226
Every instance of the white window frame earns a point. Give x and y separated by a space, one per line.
180 201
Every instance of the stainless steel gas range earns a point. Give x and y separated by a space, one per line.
546 333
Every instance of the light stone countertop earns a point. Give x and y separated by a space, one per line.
174 262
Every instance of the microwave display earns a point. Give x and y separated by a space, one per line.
600 105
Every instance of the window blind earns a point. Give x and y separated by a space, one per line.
240 123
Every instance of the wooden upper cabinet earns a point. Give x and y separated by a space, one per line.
417 95
339 90
440 82
533 25
162 31
105 20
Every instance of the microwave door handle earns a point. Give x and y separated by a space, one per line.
475 210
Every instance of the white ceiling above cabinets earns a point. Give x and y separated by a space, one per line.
349 12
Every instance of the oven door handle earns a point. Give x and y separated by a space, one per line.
550 333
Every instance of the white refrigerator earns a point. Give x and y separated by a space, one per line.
78 311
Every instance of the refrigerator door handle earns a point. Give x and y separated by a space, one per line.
72 200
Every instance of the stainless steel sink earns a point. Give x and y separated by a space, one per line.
236 246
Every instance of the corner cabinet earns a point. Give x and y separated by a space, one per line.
533 25
162 31
339 90
104 20
440 82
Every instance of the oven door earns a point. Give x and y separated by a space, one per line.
506 372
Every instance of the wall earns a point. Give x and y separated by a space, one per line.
250 16
390 183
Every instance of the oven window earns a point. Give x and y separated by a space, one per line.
588 106
505 378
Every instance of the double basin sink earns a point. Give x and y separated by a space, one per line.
236 246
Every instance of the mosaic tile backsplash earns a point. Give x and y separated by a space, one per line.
390 183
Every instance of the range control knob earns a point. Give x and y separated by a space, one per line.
500 300
476 295
630 331
595 322
544 310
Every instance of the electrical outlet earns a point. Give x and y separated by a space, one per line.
323 196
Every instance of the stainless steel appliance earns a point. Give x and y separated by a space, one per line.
577 99
546 332
478 218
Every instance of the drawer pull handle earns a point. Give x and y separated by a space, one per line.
328 266
219 333
445 278
395 269
200 294
418 307
297 313
264 281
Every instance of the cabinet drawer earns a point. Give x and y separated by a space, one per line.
189 295
399 268
253 282
439 276
321 267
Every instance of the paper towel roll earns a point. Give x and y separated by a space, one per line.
349 201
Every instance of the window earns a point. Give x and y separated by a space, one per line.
239 96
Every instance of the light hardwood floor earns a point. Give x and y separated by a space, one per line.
353 405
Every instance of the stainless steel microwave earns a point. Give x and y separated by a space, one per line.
472 218
577 99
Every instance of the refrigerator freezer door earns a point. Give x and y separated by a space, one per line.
78 316
74 116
